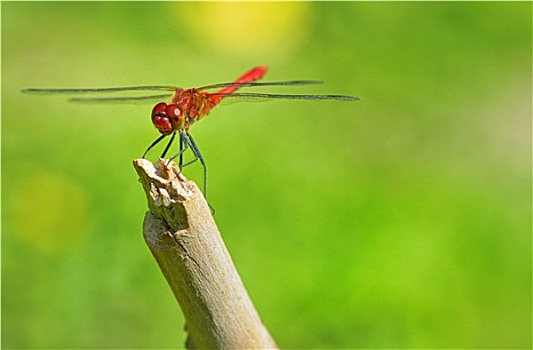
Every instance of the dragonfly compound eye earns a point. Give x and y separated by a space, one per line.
159 109
161 120
172 111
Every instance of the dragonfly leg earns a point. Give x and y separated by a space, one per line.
181 152
153 144
184 145
168 144
187 141
198 155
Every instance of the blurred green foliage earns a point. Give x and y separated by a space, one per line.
400 221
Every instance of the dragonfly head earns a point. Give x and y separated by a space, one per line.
167 118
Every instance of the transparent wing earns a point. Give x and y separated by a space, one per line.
136 99
99 90
261 96
117 90
171 89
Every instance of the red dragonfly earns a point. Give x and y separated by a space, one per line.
187 106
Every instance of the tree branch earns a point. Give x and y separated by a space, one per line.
184 240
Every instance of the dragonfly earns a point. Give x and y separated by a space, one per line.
185 107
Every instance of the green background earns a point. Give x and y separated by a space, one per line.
399 221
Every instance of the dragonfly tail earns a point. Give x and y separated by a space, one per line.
252 75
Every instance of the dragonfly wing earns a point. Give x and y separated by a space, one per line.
261 96
99 90
137 99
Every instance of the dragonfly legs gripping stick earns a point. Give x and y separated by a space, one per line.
186 141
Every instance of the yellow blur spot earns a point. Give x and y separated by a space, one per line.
245 29
48 211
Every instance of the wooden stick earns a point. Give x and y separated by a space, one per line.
186 243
